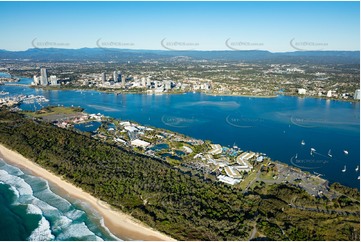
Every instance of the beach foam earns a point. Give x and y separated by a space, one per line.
65 221
42 232
16 182
80 230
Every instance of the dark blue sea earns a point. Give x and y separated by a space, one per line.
285 128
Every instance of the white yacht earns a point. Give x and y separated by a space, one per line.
329 153
344 169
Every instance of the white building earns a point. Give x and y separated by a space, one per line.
228 180
167 85
302 91
36 80
44 77
130 128
242 160
246 155
216 149
104 77
53 80
231 172
144 82
125 123
357 94
140 143
329 94
120 140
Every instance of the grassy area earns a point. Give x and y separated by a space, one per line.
53 110
248 180
267 175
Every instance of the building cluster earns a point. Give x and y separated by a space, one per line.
283 69
357 94
242 165
332 94
44 80
152 85
232 170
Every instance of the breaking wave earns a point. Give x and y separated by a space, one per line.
56 217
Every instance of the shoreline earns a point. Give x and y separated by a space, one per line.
118 223
114 91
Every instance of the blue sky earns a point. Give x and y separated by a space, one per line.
273 26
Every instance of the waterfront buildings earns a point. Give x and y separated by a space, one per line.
167 85
216 149
53 80
104 77
329 94
117 76
242 160
123 80
357 94
143 82
43 77
301 91
36 80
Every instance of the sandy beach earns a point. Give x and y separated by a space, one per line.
119 223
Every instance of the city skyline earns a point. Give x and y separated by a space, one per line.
272 26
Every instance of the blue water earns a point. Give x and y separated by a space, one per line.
88 127
159 147
31 210
275 126
164 155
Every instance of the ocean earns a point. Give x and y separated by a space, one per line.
31 209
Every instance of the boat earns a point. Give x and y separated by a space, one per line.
357 168
303 142
317 174
358 178
312 150
296 156
344 169
329 153
345 151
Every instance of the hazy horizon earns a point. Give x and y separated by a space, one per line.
125 49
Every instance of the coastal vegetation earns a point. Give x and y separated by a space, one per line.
53 110
178 203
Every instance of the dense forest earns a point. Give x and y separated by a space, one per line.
179 204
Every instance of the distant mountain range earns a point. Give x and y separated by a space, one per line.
123 55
